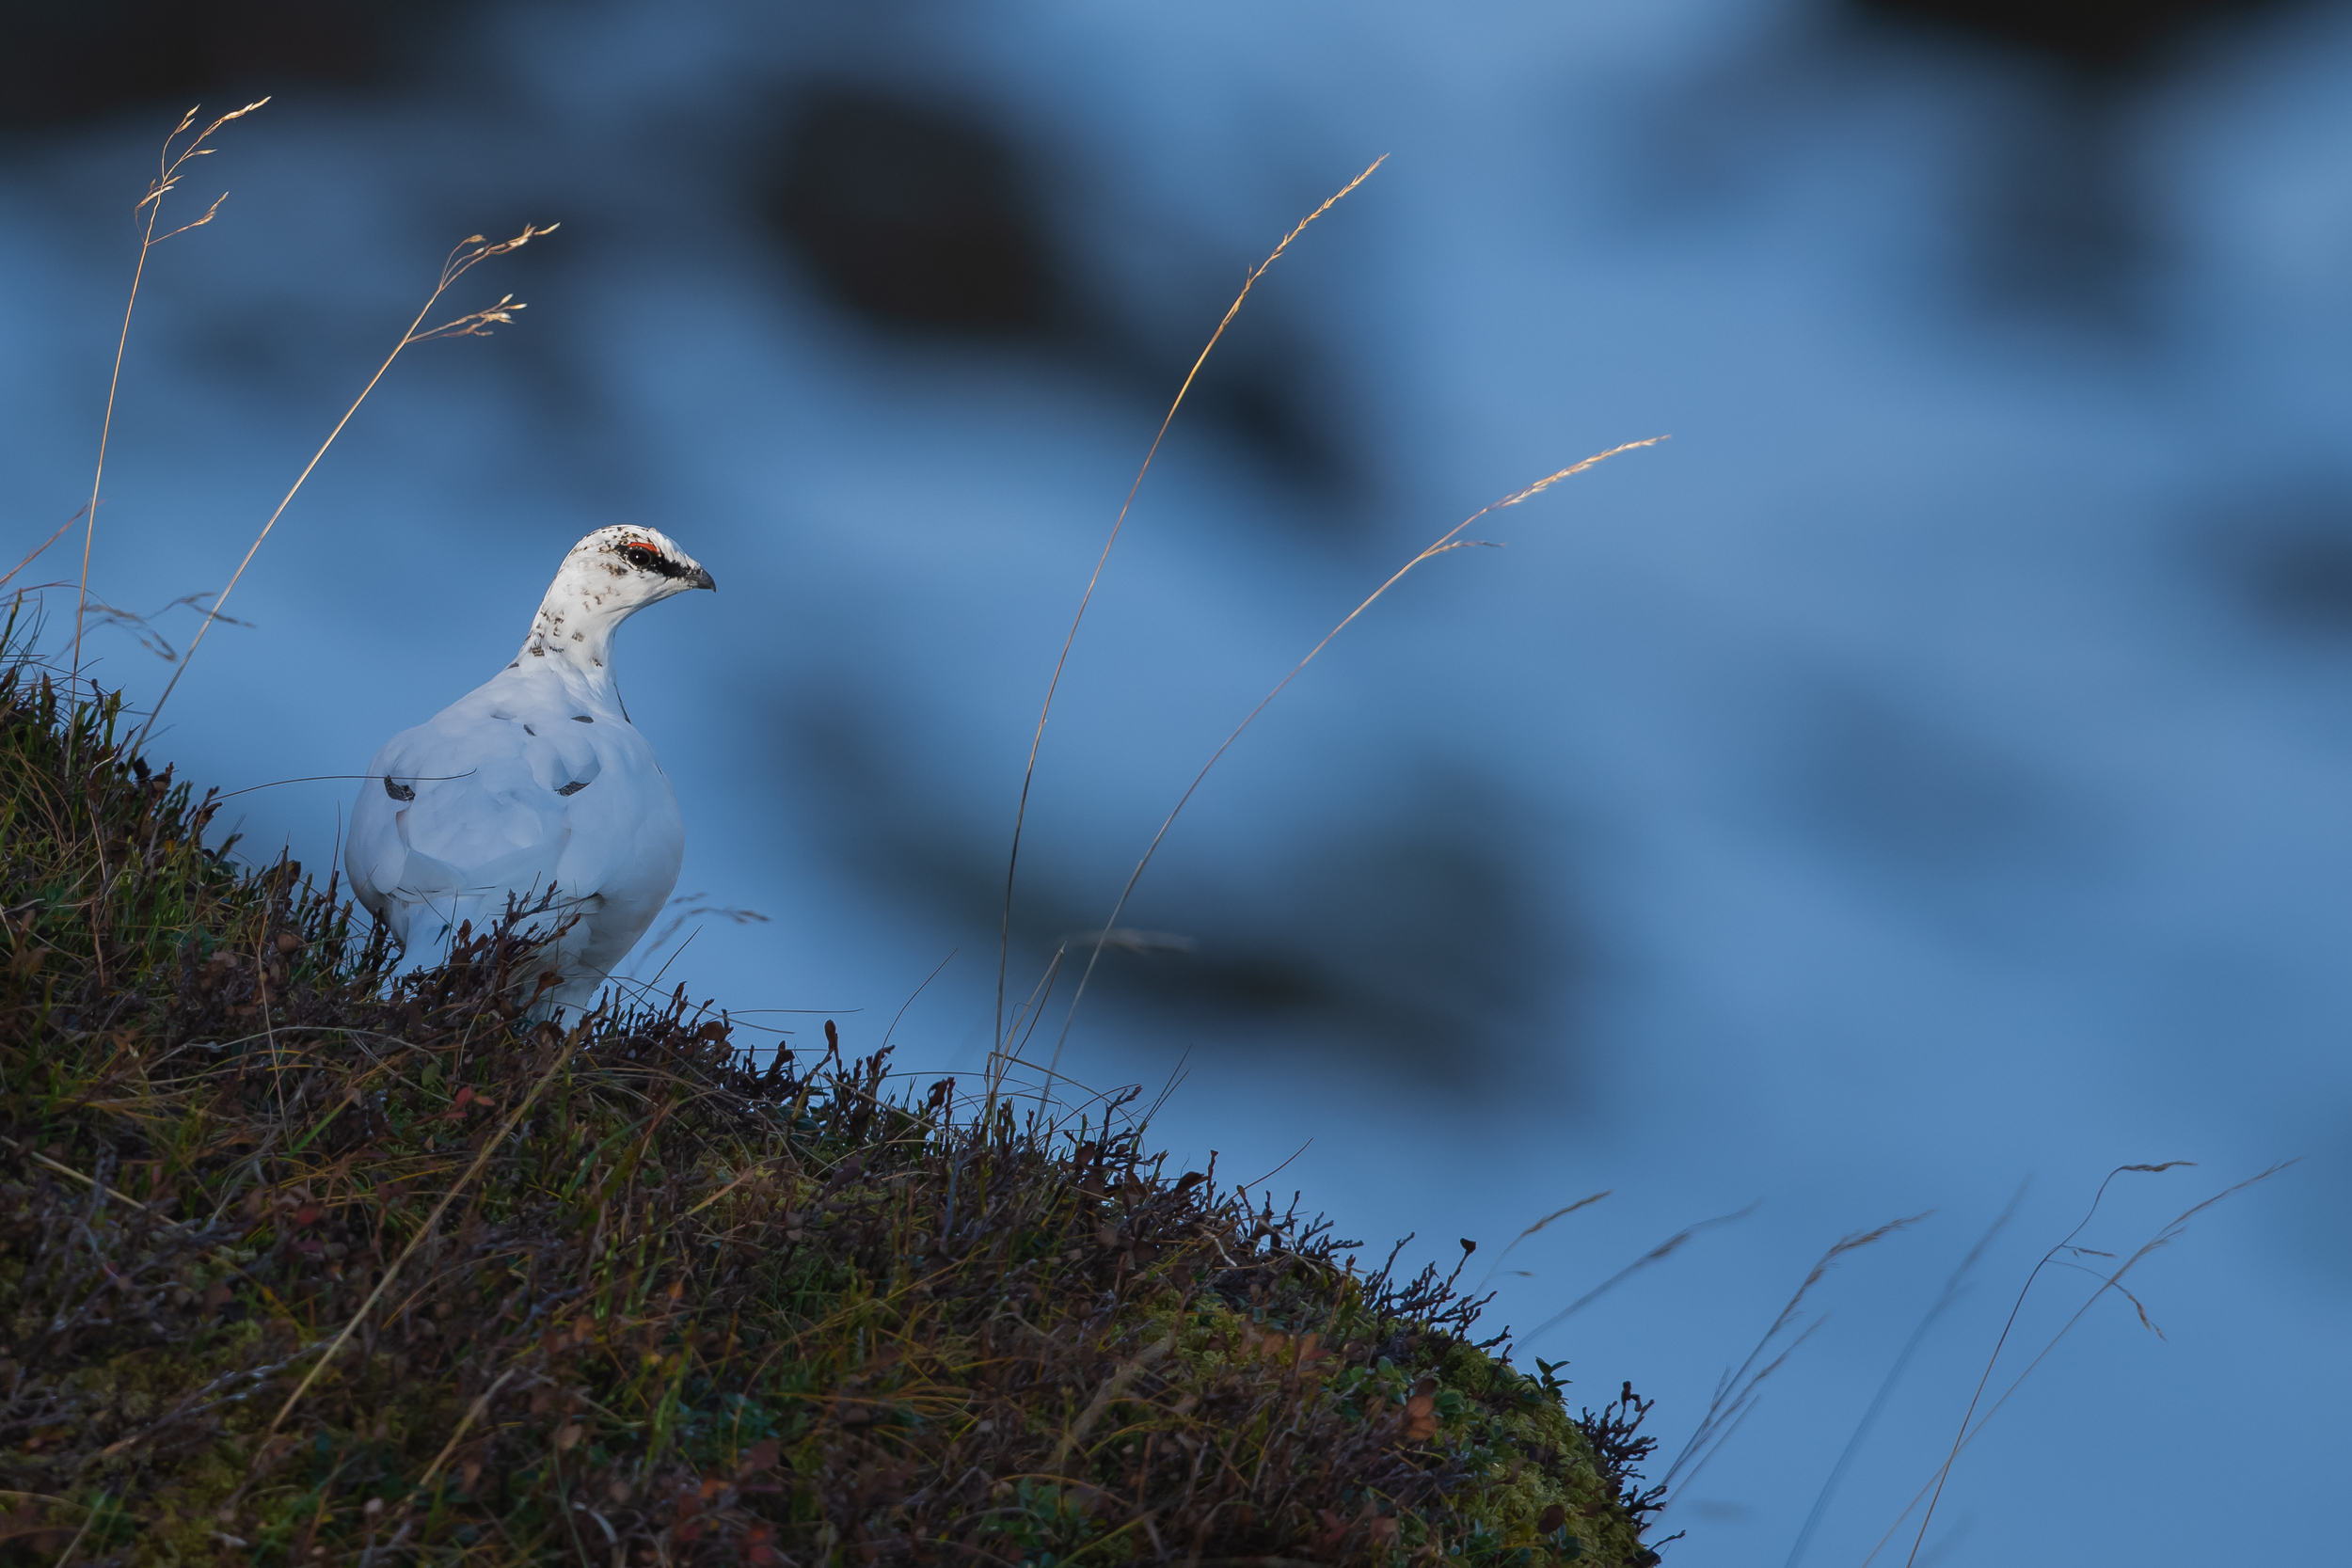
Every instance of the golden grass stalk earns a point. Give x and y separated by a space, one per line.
167 166
1450 540
473 324
1028 772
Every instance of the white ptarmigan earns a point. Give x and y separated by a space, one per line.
534 780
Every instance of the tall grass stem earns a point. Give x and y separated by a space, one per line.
1029 772
167 177
1450 540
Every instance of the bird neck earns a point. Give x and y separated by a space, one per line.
573 632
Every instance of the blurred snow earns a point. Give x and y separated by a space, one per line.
1927 769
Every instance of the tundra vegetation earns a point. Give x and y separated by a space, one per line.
307 1258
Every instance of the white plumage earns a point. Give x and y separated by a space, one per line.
534 782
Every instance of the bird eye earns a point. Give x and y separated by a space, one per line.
640 555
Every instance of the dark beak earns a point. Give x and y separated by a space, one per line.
702 579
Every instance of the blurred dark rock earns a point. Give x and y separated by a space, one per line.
68 61
1413 945
1414 942
917 216
926 217
2102 37
1931 808
2289 562
2062 220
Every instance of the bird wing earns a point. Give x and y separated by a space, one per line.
494 799
625 846
457 814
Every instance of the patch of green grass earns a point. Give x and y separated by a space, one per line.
303 1262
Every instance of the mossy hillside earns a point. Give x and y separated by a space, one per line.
304 1262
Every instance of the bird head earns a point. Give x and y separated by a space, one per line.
607 577
631 567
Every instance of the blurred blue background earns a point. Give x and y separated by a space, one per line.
1927 771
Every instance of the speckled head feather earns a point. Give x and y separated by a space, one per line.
608 577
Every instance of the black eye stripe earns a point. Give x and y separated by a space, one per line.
645 558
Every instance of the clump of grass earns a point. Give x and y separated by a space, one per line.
304 1260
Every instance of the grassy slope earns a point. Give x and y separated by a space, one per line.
671 1310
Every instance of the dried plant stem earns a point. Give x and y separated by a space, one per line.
1028 772
167 168
1112 1388
1954 1288
474 1412
460 262
75 1544
426 1231
1933 1491
1556 1214
1736 1395
1450 540
33 554
38 1158
105 431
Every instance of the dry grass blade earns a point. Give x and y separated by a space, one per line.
40 1158
167 166
459 262
1953 1289
74 1545
1028 773
1736 1395
1450 540
1932 1492
425 1233
901 1013
1113 1386
474 1412
1658 1254
1556 1214
35 553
